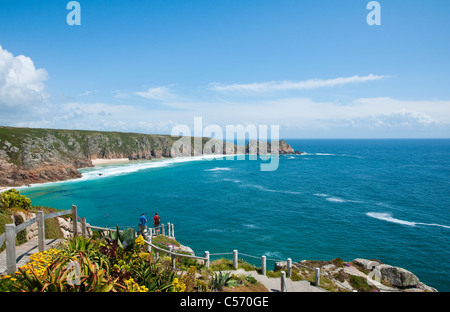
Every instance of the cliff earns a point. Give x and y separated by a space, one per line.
30 155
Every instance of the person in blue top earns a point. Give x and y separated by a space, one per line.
142 224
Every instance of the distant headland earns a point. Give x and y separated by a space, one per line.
33 155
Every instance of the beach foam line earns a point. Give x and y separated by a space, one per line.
123 168
134 166
388 217
100 161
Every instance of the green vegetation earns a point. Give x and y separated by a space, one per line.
107 264
360 284
11 199
80 144
14 206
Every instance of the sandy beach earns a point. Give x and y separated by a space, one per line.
97 162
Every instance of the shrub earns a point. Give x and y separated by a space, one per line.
12 199
360 284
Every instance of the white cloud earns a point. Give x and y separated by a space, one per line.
297 117
88 92
21 84
292 85
160 93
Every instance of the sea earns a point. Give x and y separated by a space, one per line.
384 199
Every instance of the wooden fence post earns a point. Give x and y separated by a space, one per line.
168 230
235 259
173 233
207 259
10 240
173 261
162 230
83 226
283 281
263 265
41 230
74 220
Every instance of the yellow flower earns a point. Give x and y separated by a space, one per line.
178 287
144 255
140 241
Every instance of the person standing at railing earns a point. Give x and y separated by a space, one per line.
142 225
156 222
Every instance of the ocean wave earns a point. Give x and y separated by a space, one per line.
324 154
250 226
117 169
273 254
219 169
321 195
126 168
388 217
335 199
261 188
331 154
232 180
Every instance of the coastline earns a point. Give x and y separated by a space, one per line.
105 162
100 161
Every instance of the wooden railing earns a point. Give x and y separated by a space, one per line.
9 237
11 230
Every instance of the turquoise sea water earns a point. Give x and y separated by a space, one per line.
374 199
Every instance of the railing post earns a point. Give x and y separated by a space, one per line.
168 230
149 238
207 259
10 240
289 267
41 230
317 277
162 230
74 216
283 281
263 265
173 233
83 226
235 259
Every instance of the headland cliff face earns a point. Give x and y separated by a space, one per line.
30 155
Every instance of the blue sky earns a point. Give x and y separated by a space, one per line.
313 67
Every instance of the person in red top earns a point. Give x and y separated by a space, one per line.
156 222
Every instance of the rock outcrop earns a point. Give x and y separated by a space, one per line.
30 155
261 147
361 275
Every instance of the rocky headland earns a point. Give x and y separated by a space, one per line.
30 155
360 275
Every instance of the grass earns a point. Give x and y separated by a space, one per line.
165 241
